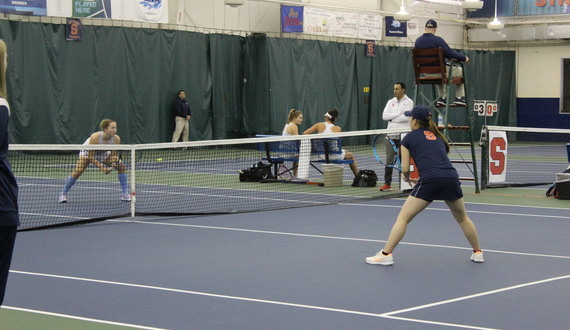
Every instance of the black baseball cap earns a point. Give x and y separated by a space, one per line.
419 112
431 24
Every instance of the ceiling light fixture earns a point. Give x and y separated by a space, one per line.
234 3
495 24
402 15
472 5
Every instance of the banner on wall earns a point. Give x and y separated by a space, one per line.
341 24
498 144
91 8
413 27
152 11
395 28
24 7
522 8
317 21
370 48
345 24
370 27
59 8
73 29
291 19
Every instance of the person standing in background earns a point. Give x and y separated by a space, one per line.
394 115
182 119
9 216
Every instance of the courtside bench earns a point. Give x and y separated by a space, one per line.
325 150
279 152
328 151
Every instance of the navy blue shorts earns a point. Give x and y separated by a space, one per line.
445 189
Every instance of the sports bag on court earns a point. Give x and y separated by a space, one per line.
365 178
560 188
256 173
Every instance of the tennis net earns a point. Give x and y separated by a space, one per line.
523 156
194 178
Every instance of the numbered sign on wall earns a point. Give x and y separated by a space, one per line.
485 108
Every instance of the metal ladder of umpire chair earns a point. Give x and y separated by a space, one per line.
429 69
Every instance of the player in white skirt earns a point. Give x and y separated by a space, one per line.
102 159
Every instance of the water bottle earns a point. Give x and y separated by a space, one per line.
440 120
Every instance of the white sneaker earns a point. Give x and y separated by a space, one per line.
380 259
126 197
62 198
477 256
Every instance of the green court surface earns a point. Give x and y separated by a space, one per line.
20 320
514 196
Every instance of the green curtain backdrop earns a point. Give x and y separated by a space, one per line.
59 91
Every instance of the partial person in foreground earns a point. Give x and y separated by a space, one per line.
9 216
329 126
102 159
438 181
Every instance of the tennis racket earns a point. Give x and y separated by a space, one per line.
386 152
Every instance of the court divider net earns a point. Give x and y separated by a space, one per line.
195 178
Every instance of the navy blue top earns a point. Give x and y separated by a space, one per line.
429 154
430 40
182 108
8 185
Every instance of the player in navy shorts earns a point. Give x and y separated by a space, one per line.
438 181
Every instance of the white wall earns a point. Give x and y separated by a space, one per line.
539 70
264 16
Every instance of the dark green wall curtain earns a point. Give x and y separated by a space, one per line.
59 91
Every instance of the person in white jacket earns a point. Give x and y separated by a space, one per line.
394 115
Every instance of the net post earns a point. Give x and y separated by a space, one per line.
133 185
472 121
484 143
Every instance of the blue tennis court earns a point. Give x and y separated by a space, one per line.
302 268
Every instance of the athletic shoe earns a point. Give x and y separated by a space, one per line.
460 101
62 199
385 187
477 256
126 197
380 259
441 102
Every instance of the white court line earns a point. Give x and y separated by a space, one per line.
474 211
477 295
80 318
263 301
437 323
237 197
55 216
344 238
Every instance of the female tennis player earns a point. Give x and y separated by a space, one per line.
328 126
294 119
438 181
102 159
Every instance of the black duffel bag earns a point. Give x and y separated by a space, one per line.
256 173
365 178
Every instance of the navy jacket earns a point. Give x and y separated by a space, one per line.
182 108
8 185
430 40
